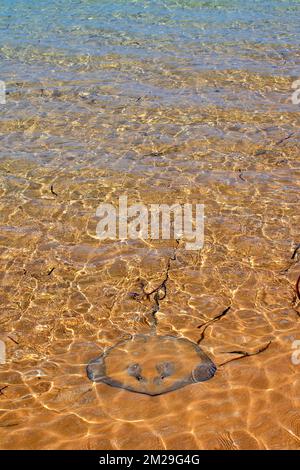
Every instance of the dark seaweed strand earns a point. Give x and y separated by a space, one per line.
3 388
295 251
293 258
284 139
52 191
241 175
12 339
298 287
162 287
275 144
244 354
209 322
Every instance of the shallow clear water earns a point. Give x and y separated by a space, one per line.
167 101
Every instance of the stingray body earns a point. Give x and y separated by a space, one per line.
152 364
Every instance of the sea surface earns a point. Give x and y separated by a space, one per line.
161 101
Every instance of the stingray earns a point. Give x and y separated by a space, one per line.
152 364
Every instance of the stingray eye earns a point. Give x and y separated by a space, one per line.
165 369
135 370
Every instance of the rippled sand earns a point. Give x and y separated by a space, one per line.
227 139
65 295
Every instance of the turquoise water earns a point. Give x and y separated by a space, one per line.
198 34
70 57
165 50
